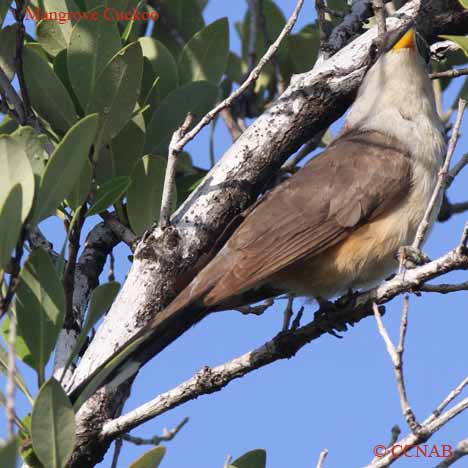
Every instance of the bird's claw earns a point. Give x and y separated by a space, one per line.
328 318
411 257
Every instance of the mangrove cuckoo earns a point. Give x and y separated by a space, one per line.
335 225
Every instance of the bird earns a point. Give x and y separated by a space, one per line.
335 225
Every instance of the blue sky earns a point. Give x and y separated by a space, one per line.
338 394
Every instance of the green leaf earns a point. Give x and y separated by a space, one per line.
80 191
8 125
145 192
253 459
100 302
20 383
16 194
109 193
40 307
8 453
163 63
236 68
53 36
48 95
462 41
117 4
197 97
464 3
150 459
10 224
127 146
16 170
186 18
64 167
34 147
53 426
186 185
92 45
59 5
204 57
303 49
117 91
61 70
8 50
4 6
21 349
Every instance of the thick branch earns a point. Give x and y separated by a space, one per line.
99 243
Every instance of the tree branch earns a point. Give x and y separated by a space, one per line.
442 180
171 169
99 243
460 452
456 72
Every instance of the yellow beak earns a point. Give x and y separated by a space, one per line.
408 41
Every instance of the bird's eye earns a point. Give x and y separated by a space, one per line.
374 51
423 48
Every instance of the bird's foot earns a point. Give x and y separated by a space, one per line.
329 318
411 257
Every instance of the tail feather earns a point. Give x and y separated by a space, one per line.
163 329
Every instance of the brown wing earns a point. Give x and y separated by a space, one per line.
358 177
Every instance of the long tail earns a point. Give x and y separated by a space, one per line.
163 329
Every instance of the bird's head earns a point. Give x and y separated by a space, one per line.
396 88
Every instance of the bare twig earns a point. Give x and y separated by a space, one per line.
166 436
440 49
450 209
288 313
235 125
321 9
449 73
297 319
120 230
12 97
457 169
360 11
428 429
441 181
307 148
396 356
444 288
395 433
255 73
11 373
227 461
379 11
171 169
117 449
460 452
253 34
450 397
322 457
